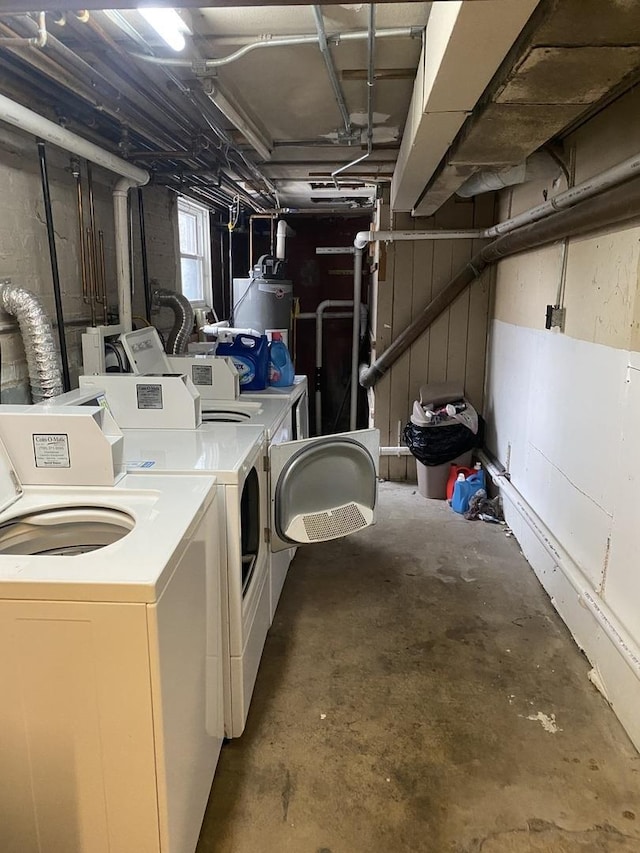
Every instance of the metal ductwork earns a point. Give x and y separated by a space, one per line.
183 323
616 205
43 364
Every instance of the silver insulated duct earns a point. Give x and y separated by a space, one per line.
183 323
37 336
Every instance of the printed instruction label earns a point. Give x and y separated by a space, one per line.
202 374
149 396
51 450
136 466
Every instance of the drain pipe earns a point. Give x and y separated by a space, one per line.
355 337
319 315
55 274
618 174
15 114
616 205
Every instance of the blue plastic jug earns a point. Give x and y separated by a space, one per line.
464 490
281 371
250 355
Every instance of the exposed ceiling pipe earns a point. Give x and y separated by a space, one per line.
618 174
363 238
615 205
196 97
25 119
256 139
38 41
277 41
332 71
371 35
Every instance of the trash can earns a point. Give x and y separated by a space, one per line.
439 436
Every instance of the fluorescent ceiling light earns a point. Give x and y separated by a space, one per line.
168 24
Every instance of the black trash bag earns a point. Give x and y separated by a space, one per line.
437 445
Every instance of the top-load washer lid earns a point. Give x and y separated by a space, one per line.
145 352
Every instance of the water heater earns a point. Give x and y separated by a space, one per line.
264 300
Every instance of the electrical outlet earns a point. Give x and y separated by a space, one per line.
555 317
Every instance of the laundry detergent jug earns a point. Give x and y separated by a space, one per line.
281 372
250 355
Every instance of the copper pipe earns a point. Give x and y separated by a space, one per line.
75 169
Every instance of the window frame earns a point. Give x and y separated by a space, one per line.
203 236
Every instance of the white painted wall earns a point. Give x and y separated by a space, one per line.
563 411
24 252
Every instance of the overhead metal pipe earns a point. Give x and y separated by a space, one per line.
25 119
616 205
53 257
371 33
332 71
277 41
38 40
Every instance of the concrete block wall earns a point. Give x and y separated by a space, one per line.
562 411
163 249
24 251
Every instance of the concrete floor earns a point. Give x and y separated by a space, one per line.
406 691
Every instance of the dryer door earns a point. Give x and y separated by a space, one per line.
323 488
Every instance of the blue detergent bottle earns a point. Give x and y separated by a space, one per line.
250 355
281 371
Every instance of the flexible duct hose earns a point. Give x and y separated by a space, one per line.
37 336
183 324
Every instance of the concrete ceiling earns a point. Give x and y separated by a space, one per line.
477 84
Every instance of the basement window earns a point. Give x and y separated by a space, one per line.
195 251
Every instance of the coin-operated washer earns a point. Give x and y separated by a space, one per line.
218 383
111 720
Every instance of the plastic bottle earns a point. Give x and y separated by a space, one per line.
250 355
281 371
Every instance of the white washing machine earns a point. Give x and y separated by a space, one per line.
110 659
275 497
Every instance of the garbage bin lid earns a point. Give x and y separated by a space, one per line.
439 393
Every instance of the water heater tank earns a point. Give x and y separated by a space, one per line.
264 300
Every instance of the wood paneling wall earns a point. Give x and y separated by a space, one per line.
407 275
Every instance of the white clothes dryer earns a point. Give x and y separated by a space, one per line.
110 663
275 497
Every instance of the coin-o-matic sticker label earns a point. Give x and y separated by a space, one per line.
149 396
202 374
51 450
